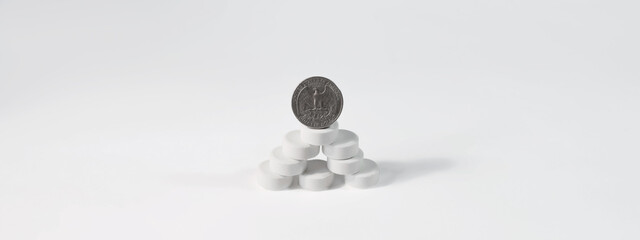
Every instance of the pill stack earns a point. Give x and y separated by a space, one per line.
292 159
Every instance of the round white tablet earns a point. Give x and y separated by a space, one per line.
282 165
319 136
345 166
270 180
367 176
317 176
295 148
343 147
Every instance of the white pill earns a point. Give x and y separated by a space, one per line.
343 147
317 176
282 165
270 180
319 136
295 148
367 176
345 166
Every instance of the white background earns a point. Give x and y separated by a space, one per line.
489 120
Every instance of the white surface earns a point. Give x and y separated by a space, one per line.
316 176
489 120
368 176
294 147
343 147
270 180
319 136
345 166
283 165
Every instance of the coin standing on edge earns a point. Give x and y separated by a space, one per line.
317 102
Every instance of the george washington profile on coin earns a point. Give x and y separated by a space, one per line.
317 102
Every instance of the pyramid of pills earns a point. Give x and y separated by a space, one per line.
317 103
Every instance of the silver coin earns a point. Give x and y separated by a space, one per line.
317 102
